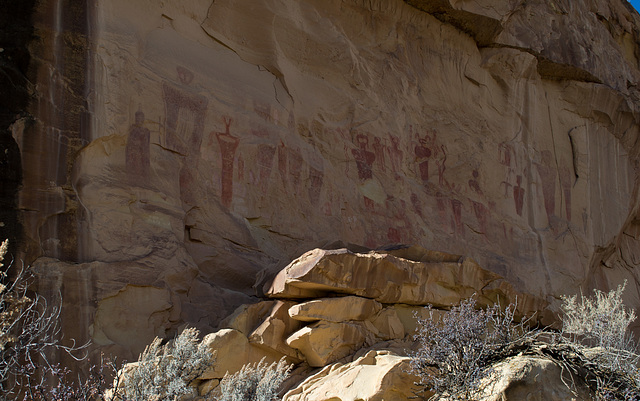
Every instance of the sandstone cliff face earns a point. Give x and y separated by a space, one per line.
187 150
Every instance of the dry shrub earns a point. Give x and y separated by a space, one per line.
166 372
598 326
457 351
29 329
254 382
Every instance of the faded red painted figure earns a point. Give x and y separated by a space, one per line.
442 210
482 214
566 181
456 208
518 195
440 155
282 163
327 206
137 151
548 178
316 178
185 112
474 184
423 154
265 163
228 145
396 155
401 228
394 235
364 163
364 158
417 204
295 167
505 152
379 149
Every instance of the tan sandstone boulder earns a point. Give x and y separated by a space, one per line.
338 309
326 342
533 378
377 376
275 328
247 318
409 315
388 324
392 279
233 350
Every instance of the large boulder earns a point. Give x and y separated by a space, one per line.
533 378
391 279
376 376
322 343
275 328
388 324
233 350
247 317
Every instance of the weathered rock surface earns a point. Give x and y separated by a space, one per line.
323 343
199 146
388 324
233 350
247 318
275 328
338 309
533 378
390 279
376 376
124 305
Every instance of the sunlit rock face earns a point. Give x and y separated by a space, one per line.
182 152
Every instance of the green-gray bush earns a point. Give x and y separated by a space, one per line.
457 351
254 382
165 372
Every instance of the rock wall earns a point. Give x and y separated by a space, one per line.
15 34
184 152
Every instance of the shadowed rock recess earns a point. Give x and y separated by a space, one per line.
178 155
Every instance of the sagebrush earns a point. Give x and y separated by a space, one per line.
254 382
166 372
457 351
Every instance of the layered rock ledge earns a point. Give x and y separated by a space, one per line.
355 332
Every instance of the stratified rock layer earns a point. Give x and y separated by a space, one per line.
199 146
391 279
